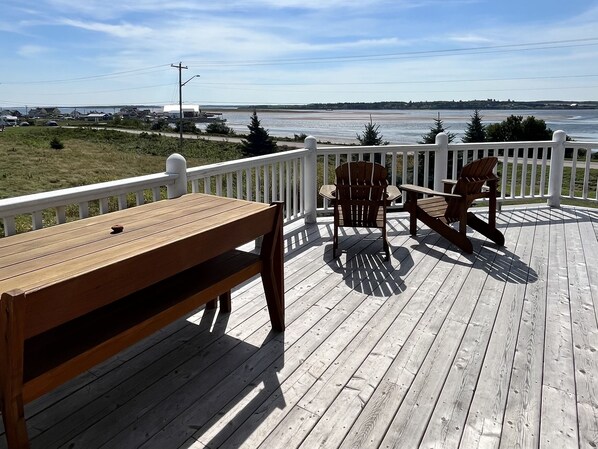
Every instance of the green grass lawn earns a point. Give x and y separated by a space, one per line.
28 164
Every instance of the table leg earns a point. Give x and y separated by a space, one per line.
272 254
12 315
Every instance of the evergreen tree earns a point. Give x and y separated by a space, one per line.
371 135
258 140
435 130
476 131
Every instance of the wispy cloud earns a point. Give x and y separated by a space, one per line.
31 50
470 39
123 30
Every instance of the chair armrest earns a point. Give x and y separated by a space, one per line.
424 190
392 193
328 191
449 185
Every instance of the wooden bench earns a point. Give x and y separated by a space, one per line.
34 362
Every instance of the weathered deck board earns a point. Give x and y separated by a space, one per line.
435 350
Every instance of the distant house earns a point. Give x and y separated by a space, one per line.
11 112
96 117
44 112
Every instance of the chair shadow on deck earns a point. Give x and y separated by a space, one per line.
185 392
496 261
366 270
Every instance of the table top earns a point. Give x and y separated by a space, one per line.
158 240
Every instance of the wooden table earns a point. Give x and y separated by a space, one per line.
66 278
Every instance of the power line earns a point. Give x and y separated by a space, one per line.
135 72
545 45
529 46
467 80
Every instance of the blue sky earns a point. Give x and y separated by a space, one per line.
91 52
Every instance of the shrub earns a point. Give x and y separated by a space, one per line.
219 128
56 144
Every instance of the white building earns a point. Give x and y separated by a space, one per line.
189 110
9 120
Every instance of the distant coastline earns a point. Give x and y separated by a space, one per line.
433 105
377 105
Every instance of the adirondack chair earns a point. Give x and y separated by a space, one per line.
359 198
440 209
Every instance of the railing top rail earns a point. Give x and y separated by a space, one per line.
43 200
575 143
491 145
378 149
239 164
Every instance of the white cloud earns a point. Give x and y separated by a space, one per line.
470 39
123 30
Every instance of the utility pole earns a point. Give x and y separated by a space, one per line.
180 66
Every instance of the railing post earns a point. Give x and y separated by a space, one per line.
440 161
557 163
310 178
176 164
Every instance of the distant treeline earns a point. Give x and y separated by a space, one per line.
459 104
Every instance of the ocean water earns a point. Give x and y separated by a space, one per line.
398 127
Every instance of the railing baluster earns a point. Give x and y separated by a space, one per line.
573 174
295 191
239 184
514 172
84 209
9 226
524 173
543 172
122 203
281 182
266 183
104 206
405 169
302 184
229 185
416 167
140 197
586 175
532 181
426 180
258 177
505 168
61 214
248 194
219 185
37 219
288 190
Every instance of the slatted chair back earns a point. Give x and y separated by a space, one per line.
361 194
471 186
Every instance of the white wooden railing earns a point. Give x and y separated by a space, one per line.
528 170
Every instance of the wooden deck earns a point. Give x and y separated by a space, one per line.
433 349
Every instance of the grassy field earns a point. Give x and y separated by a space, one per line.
28 163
